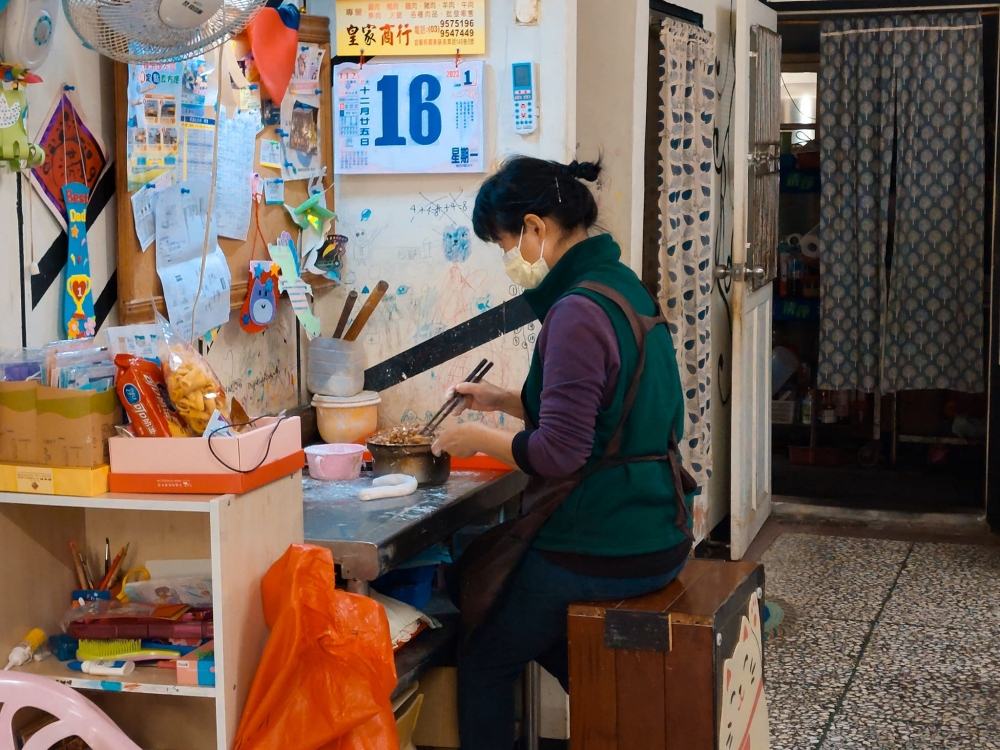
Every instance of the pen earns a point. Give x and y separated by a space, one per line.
78 564
107 555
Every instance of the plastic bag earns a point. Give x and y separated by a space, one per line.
327 674
194 388
142 391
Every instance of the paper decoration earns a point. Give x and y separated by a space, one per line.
274 36
73 153
291 283
78 306
261 304
429 27
408 118
313 213
15 148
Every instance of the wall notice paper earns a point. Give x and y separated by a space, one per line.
233 200
408 118
153 140
274 191
144 208
181 213
137 340
428 27
171 120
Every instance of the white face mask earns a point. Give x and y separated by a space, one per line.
521 272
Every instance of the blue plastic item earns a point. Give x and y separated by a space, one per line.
63 647
413 586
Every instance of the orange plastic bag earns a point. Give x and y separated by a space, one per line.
327 674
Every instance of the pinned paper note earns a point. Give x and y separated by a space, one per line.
270 154
181 213
237 138
274 191
78 307
144 210
297 290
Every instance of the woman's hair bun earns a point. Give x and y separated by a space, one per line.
584 170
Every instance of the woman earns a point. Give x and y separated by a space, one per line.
622 531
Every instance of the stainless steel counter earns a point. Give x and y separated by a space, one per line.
371 538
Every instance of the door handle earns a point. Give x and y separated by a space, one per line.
739 272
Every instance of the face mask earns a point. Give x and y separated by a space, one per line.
521 272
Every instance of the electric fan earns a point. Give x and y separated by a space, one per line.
143 31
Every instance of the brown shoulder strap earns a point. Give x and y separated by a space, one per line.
641 326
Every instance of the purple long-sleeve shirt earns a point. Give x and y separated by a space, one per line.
581 365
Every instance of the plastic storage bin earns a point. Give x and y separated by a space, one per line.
335 368
347 420
413 586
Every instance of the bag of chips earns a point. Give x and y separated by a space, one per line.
143 394
194 389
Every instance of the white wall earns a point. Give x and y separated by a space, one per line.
611 107
427 293
70 64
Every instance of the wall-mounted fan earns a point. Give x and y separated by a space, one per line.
136 31
26 29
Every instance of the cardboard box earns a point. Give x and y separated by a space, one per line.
200 466
49 480
74 426
41 426
19 423
437 725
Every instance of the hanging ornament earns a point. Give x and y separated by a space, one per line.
78 307
291 282
73 153
261 303
15 148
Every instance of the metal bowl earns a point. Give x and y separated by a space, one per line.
416 460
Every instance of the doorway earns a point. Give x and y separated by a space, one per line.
916 449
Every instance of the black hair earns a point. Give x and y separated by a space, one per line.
525 185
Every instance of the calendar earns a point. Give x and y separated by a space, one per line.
408 118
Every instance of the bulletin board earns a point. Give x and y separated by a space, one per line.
138 284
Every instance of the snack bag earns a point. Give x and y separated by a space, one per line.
193 386
142 392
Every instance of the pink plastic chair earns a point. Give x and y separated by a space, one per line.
75 715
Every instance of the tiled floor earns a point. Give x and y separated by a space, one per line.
887 644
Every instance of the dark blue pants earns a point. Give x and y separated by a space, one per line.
529 625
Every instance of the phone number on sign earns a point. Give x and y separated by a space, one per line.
457 32
456 23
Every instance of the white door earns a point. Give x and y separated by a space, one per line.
756 121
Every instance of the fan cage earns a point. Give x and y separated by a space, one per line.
131 31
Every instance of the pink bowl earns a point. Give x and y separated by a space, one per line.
335 462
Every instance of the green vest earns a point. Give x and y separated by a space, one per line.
629 509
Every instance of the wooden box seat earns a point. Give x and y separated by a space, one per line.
678 669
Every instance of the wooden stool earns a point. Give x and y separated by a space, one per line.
679 669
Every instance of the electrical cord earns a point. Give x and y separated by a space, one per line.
267 450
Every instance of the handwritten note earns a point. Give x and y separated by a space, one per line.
233 204
181 213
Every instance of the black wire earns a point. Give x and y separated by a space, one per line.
267 451
792 99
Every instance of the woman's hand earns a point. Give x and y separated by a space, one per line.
487 397
466 440
460 441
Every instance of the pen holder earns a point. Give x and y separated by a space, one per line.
89 595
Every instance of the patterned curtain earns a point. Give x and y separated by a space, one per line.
901 119
687 105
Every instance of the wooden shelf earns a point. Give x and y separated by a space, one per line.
150 680
112 501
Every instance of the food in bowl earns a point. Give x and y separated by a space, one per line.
402 435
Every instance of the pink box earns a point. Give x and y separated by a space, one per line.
189 465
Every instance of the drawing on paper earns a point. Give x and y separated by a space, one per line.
744 706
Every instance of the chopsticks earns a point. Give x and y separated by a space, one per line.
346 313
476 376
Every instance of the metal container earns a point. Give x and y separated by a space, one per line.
416 460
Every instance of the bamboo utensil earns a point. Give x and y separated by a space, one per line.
346 314
366 311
